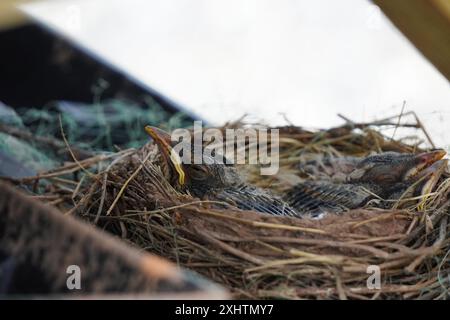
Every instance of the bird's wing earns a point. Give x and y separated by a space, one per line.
250 198
317 197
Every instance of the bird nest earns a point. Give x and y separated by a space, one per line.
258 255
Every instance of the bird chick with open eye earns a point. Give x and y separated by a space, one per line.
213 180
386 175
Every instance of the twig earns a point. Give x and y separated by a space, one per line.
399 119
122 190
69 148
230 249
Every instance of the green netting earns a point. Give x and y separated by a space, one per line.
25 153
103 126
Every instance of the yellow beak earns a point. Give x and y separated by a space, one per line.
163 140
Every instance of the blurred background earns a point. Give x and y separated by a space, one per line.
300 60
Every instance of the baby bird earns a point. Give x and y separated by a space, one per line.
212 180
387 175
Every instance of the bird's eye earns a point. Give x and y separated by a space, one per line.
198 172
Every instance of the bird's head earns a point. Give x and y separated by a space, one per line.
389 168
198 179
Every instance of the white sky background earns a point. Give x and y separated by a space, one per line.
222 58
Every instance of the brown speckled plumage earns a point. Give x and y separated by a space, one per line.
386 176
343 183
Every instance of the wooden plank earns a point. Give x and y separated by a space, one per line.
10 16
426 23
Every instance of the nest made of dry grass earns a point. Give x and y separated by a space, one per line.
261 256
